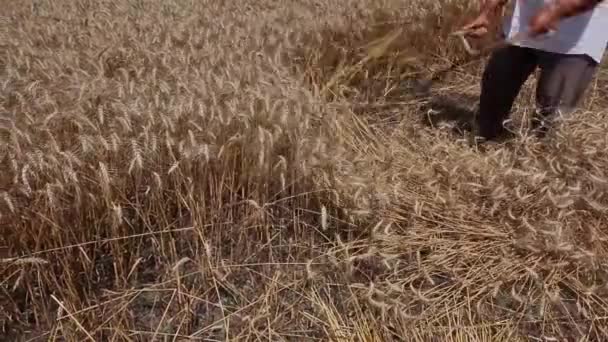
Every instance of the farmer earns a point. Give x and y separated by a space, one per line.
567 58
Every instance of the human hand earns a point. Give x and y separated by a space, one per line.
544 21
478 27
547 18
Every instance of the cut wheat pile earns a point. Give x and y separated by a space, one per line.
256 170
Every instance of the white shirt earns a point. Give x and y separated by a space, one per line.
586 33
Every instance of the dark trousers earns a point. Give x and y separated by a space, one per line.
561 85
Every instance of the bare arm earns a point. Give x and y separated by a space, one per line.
570 8
548 17
488 13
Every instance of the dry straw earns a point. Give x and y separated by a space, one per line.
178 170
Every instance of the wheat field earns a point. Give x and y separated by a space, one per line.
284 171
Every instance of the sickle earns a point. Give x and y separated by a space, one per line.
473 52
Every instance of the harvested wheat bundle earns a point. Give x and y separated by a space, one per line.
374 50
425 85
378 48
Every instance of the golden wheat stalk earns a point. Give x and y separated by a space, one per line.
374 50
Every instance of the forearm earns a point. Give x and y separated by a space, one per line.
568 8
